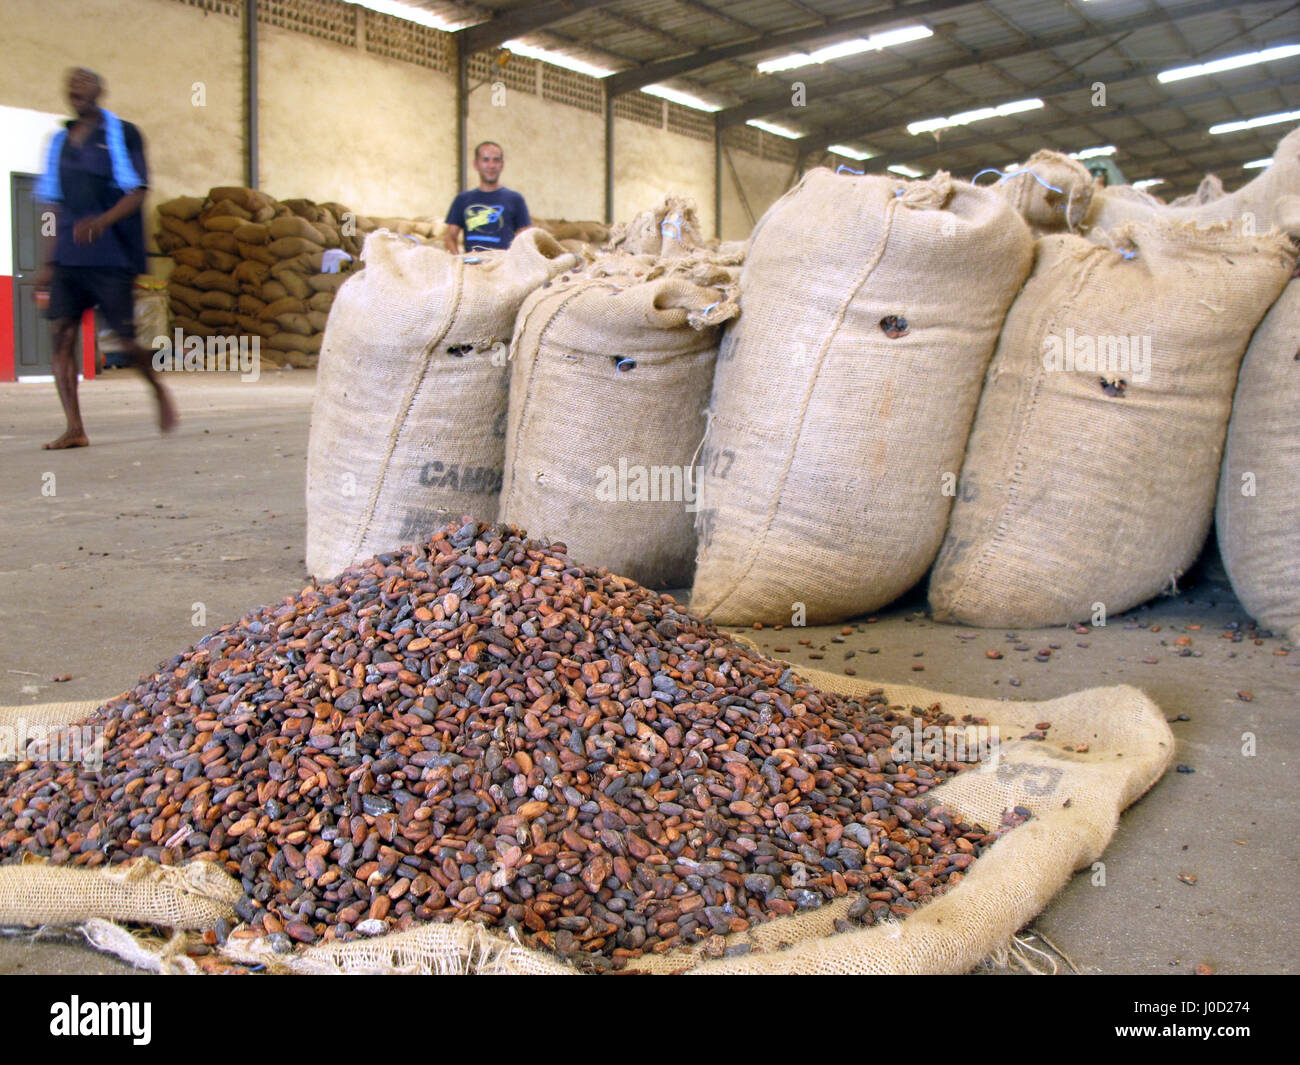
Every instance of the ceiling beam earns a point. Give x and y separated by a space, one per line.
1109 115
770 103
660 70
521 20
845 132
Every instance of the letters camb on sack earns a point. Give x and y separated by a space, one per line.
1090 474
610 382
409 416
1258 512
845 390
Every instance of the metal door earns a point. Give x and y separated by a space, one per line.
33 343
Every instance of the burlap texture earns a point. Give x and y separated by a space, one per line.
1051 191
831 443
576 419
1076 799
1072 495
668 230
408 420
1270 199
1258 510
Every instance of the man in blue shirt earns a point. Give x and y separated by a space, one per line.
490 215
96 178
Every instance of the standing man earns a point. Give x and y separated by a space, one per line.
490 215
96 177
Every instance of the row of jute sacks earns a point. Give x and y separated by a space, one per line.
913 384
247 264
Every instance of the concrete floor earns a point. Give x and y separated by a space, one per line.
103 579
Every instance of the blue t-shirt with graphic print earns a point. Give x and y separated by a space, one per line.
489 219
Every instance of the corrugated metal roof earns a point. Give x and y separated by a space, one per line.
980 54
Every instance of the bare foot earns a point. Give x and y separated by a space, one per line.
67 440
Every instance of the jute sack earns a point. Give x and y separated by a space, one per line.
668 229
222 261
609 383
182 207
187 229
1209 190
251 200
408 422
168 242
1075 798
1051 191
1091 469
223 223
1270 199
830 439
195 257
1258 511
299 342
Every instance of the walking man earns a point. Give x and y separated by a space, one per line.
490 215
96 178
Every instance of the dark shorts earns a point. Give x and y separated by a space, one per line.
111 289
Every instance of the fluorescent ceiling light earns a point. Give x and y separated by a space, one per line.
772 127
906 171
1232 62
1092 153
877 41
1255 164
411 14
556 59
850 153
1148 183
683 98
929 125
1252 123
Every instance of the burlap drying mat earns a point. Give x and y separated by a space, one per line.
1076 799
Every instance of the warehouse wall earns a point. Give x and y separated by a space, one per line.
340 124
322 134
764 181
555 154
649 163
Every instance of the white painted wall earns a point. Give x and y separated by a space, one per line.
24 143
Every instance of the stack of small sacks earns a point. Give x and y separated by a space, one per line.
250 265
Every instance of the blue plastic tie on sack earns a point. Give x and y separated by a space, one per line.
841 168
624 364
1014 173
1128 253
666 225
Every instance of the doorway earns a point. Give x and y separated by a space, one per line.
32 340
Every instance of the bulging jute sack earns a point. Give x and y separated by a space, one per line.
1106 748
608 390
1258 511
1090 473
845 390
408 424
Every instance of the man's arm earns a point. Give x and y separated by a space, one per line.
451 239
89 230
